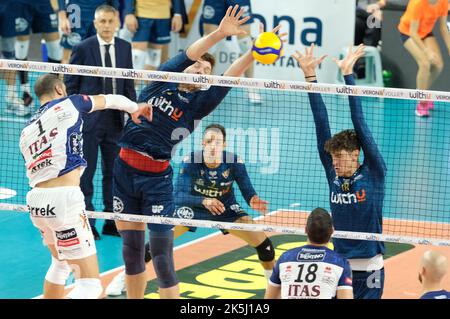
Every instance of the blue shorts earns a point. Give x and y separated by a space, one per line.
7 19
229 216
142 193
78 34
368 284
38 18
405 37
214 10
153 30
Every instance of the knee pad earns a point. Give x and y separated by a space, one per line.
153 58
21 48
245 44
139 57
58 272
86 288
161 249
133 251
7 45
265 250
54 50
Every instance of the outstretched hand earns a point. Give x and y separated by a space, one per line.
232 22
346 64
259 205
145 110
308 63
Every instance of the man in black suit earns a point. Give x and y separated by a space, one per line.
101 129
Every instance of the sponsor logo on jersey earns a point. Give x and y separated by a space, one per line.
37 146
226 173
41 165
46 154
349 198
166 107
209 192
76 143
309 256
47 212
303 291
213 174
67 238
185 212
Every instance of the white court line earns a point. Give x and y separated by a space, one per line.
192 242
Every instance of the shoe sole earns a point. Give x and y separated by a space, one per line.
421 115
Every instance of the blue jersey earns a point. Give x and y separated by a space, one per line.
356 202
197 181
441 294
175 113
311 272
87 7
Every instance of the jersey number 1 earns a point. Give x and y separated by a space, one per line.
41 130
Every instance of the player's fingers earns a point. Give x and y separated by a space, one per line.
244 20
228 13
240 13
322 58
276 29
235 9
261 27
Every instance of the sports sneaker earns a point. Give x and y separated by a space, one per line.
117 285
422 109
430 105
254 96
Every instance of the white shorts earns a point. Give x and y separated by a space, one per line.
59 214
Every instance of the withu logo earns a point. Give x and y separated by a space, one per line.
166 106
357 197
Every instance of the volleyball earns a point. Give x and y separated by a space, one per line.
267 48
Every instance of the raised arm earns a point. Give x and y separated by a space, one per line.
229 26
308 64
372 155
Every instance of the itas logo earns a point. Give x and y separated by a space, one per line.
303 291
319 256
346 199
166 107
67 238
157 209
47 212
36 147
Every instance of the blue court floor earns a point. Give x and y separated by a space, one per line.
277 141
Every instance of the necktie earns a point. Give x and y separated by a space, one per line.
108 63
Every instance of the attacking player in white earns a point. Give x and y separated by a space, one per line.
51 145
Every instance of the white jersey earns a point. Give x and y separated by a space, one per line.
52 143
311 272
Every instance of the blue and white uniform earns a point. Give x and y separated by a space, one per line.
197 181
214 10
175 116
81 14
52 146
440 294
311 272
36 16
356 202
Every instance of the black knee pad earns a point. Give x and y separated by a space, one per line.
161 249
133 251
265 250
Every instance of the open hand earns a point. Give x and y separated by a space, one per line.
259 205
232 22
308 63
346 64
214 206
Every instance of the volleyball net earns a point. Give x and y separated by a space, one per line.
276 139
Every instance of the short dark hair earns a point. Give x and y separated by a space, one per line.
319 226
217 127
46 83
209 58
105 8
346 140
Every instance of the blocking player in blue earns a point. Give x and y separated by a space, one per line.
356 189
312 271
204 191
151 23
35 16
433 268
142 174
76 21
14 104
212 13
